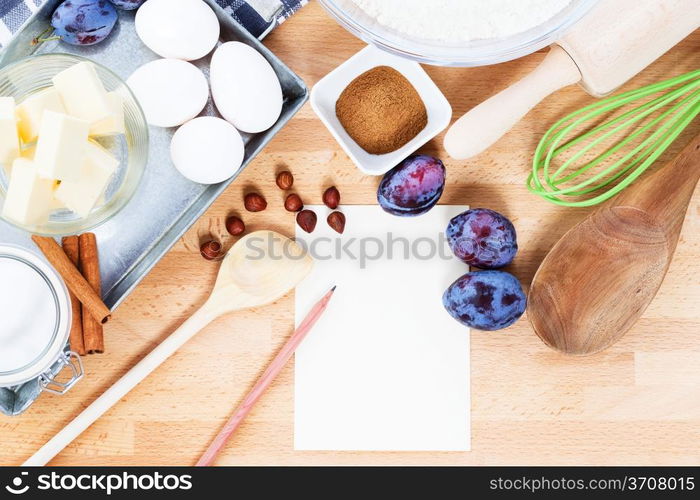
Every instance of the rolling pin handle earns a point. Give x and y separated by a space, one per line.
484 124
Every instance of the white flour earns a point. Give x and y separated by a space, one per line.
461 20
28 314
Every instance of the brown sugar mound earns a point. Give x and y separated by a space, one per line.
381 110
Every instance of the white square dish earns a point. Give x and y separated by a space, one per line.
326 92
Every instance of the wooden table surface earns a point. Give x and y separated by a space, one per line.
636 403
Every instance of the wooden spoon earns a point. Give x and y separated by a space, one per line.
260 268
602 274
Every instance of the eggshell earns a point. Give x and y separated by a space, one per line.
170 91
207 150
179 29
245 88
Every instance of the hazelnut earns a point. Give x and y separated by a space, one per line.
285 180
235 226
336 221
307 220
293 203
331 198
254 202
210 250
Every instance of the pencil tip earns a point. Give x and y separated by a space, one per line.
334 287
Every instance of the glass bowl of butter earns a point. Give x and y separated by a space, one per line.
73 144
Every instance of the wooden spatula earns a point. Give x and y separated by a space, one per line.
260 268
602 274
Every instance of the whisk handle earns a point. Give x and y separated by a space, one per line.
484 124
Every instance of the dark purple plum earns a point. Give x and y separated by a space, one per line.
84 22
485 300
412 187
127 4
482 238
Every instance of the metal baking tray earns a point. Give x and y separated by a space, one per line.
165 204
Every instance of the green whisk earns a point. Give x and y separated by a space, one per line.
631 141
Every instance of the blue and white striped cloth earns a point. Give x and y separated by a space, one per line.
13 14
258 16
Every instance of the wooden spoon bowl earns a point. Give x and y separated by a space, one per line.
588 306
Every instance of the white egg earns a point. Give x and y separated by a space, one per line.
245 88
179 29
207 150
170 91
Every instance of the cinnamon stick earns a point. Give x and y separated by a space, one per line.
71 247
75 282
93 334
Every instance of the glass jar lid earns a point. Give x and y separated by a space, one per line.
34 315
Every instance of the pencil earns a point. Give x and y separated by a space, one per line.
264 381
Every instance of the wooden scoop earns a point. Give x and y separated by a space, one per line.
259 269
601 275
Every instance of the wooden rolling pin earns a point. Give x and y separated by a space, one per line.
611 44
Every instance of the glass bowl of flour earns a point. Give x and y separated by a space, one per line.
458 32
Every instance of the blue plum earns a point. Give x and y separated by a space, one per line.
127 4
485 300
84 22
412 187
482 238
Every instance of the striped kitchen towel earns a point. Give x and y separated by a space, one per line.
261 16
258 16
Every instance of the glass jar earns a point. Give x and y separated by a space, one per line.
36 318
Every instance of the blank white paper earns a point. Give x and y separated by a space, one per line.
386 367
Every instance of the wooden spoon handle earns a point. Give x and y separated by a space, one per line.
265 380
121 387
665 195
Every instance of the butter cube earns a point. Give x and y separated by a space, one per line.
114 123
30 111
82 195
82 92
9 140
29 197
60 149
27 153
